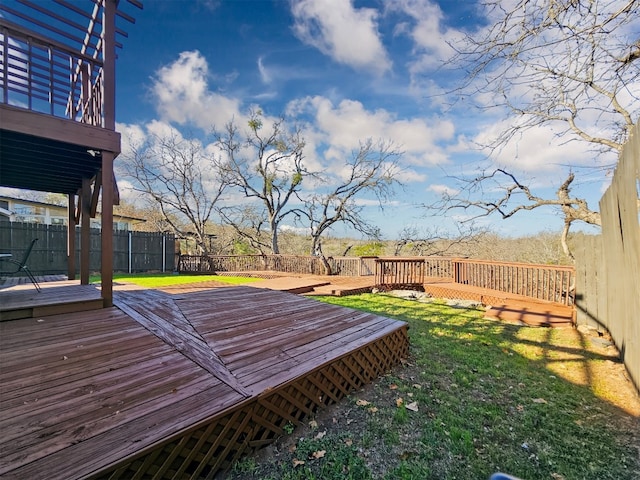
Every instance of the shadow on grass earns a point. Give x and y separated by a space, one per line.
536 402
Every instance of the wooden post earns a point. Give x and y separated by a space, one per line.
109 110
71 238
107 228
85 231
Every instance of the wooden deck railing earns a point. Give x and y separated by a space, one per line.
552 283
400 272
250 263
304 264
353 266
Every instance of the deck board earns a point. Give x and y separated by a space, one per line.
162 382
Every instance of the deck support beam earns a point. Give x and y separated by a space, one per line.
109 106
71 237
85 231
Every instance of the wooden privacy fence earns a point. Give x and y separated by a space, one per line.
132 251
301 264
608 265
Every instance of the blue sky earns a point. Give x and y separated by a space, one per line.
347 70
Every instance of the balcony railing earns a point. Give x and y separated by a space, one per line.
42 75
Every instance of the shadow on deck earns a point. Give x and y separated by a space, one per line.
177 385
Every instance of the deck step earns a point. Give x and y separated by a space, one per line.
537 315
506 306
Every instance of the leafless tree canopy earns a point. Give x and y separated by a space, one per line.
570 64
372 170
266 165
433 241
574 63
183 182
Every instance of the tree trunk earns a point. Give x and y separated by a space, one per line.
275 249
316 251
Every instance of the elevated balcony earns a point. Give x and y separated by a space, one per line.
57 108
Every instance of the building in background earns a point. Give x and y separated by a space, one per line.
30 211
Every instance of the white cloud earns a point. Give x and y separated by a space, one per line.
431 38
348 35
345 126
264 73
409 175
181 90
443 189
539 149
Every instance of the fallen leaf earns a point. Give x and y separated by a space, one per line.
373 409
417 385
406 455
348 442
393 386
320 435
409 394
413 406
292 448
319 454
349 421
399 402
362 403
313 424
297 462
539 400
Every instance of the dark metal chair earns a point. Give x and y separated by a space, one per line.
21 266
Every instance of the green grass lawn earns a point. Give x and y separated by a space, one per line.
155 280
475 397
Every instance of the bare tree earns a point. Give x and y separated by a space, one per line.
182 180
267 166
569 64
154 220
500 192
433 241
249 224
371 170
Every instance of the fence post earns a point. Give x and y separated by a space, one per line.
130 248
164 253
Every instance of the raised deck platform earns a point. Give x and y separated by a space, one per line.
177 385
22 300
506 306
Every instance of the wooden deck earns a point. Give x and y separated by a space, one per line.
177 385
319 284
507 306
22 300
